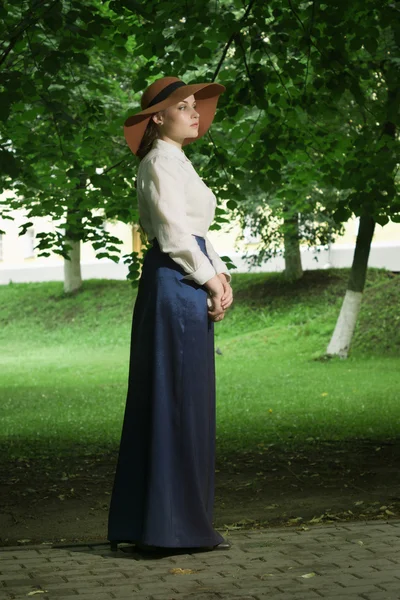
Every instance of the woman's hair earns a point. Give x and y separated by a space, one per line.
150 134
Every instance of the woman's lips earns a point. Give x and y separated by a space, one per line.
195 125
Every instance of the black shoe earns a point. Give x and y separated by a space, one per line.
222 546
145 548
161 550
114 544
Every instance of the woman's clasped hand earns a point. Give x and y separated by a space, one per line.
221 296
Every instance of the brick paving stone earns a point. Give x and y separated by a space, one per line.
236 595
116 585
379 596
380 563
32 581
390 586
261 564
332 591
197 596
15 553
13 573
136 596
347 582
124 588
89 595
101 577
66 570
106 571
339 594
130 596
52 592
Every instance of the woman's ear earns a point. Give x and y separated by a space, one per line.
157 118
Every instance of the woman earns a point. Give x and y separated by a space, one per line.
163 490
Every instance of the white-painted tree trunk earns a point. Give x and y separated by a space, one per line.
72 268
343 334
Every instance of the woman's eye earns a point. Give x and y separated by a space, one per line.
185 107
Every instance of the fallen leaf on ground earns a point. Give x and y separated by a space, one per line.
308 575
316 519
179 571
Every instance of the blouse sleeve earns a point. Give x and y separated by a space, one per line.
164 192
219 265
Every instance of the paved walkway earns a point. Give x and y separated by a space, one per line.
349 561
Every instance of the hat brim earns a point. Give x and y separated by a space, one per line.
207 96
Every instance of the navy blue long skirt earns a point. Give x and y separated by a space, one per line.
163 490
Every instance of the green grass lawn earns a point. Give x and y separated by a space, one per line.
64 364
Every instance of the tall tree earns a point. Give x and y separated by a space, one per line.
304 93
67 84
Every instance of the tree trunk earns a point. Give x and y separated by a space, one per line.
73 234
343 334
72 267
293 267
136 239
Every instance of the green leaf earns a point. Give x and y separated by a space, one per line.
203 52
382 219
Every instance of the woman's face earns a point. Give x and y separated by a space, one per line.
180 120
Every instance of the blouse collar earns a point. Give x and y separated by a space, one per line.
169 148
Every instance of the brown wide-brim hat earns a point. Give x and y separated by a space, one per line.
165 92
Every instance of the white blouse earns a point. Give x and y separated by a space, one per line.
174 205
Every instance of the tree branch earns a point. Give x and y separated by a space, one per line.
19 34
232 37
